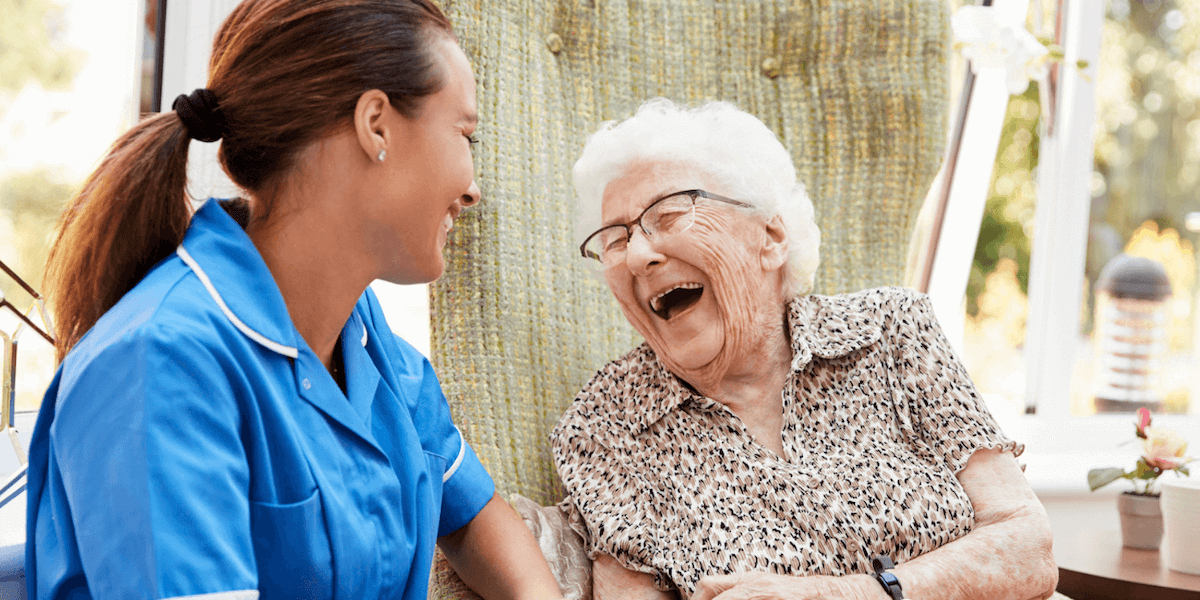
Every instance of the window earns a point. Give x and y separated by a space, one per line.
67 89
1051 218
1145 184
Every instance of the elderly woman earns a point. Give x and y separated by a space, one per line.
765 442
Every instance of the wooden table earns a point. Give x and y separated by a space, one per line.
1092 563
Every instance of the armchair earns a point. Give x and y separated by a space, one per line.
856 89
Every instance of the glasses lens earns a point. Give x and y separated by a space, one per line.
607 243
670 215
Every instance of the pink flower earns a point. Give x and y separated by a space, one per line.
1143 421
1163 448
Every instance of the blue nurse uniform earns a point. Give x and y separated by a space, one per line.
193 445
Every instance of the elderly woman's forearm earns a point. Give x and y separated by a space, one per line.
611 581
1009 560
1008 555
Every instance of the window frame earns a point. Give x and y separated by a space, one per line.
1061 447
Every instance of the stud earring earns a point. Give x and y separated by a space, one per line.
382 155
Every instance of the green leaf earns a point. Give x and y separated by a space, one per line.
1098 478
1183 469
1145 471
1082 64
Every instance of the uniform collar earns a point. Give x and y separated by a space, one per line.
222 256
823 326
362 375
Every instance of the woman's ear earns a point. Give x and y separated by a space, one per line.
774 251
371 124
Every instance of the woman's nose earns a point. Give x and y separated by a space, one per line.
641 253
473 196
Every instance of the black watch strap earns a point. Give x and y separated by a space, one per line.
886 578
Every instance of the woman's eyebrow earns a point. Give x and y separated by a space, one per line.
655 198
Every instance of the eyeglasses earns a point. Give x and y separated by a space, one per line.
667 216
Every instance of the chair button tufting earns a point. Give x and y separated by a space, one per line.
770 67
554 42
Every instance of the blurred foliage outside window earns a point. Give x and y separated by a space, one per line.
35 62
64 97
1146 182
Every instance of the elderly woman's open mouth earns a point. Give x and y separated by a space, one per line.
676 299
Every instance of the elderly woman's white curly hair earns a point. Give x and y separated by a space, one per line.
731 145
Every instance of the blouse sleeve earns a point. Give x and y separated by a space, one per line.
943 405
604 500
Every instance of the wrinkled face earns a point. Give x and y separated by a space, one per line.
430 177
700 298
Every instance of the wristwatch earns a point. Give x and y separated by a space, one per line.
886 578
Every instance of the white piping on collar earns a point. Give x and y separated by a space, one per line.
250 333
232 595
462 451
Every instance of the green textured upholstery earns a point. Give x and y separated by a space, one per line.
857 90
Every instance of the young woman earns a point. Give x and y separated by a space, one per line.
232 417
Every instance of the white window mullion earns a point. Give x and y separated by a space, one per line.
1061 221
970 182
190 28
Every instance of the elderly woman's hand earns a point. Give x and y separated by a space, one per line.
757 585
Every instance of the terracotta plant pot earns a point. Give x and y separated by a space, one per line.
1141 521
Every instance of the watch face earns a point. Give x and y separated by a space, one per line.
881 564
891 584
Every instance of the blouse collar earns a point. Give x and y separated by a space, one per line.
822 326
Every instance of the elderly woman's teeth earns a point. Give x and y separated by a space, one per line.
676 299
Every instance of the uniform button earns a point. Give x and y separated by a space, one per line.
814 482
306 383
554 43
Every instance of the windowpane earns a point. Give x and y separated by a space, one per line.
68 87
1136 344
997 304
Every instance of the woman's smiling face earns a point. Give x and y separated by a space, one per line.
702 297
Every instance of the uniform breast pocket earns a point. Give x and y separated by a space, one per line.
291 547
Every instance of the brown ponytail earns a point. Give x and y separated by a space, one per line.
285 73
131 213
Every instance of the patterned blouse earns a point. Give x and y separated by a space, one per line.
879 416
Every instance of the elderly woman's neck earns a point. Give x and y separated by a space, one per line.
752 386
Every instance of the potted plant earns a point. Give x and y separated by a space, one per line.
1162 450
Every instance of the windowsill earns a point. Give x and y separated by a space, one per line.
1060 452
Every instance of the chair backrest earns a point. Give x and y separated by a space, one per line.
857 90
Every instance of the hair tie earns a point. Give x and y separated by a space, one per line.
201 115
